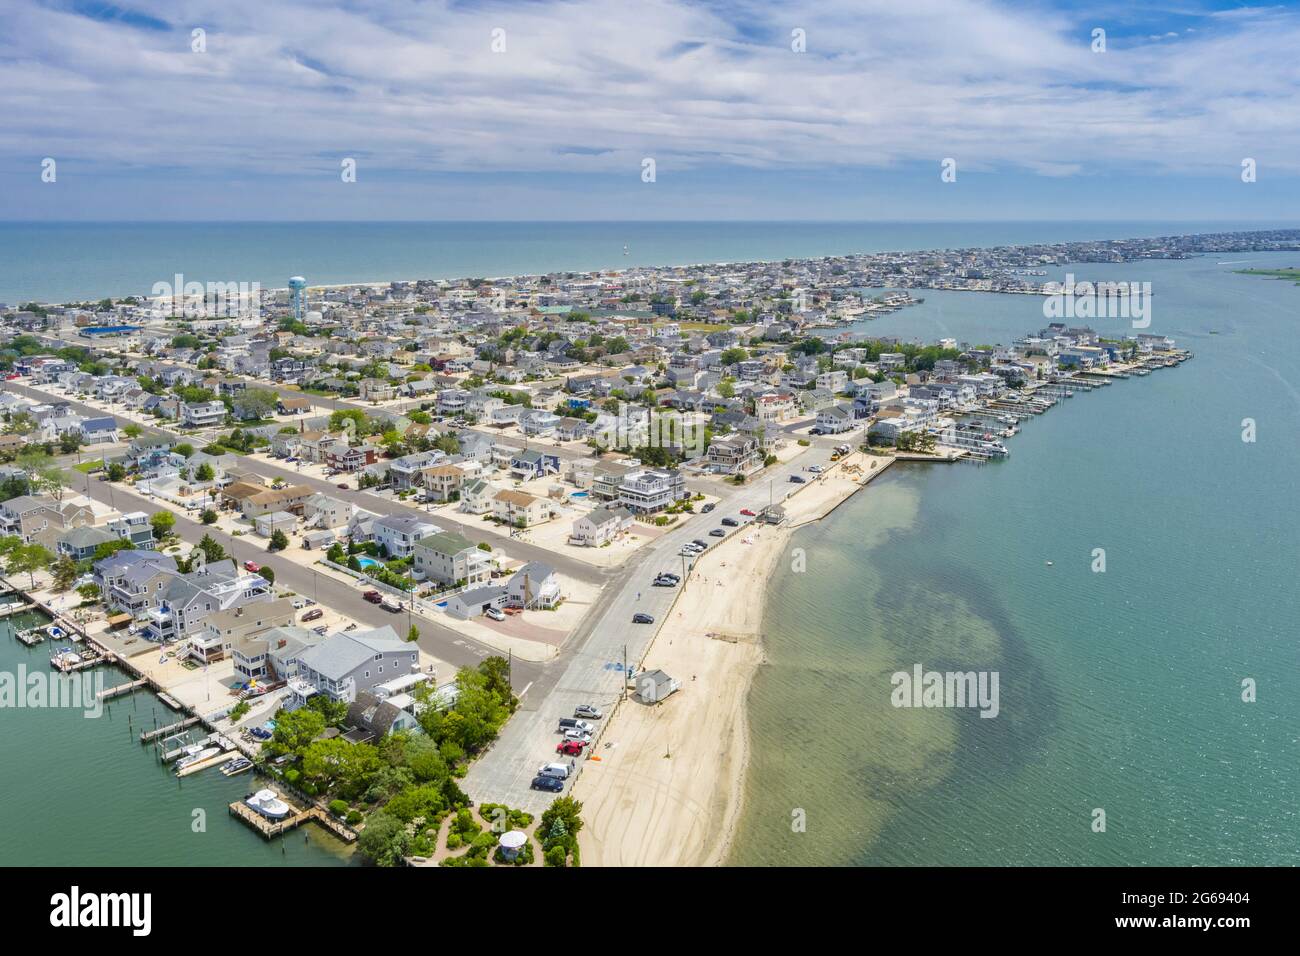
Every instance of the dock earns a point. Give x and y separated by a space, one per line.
147 735
210 762
270 829
129 687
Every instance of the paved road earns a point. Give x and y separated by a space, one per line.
435 639
590 671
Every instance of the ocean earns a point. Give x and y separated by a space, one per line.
1119 691
72 261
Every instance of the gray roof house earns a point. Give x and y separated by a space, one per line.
345 664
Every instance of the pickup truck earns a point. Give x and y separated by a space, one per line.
374 597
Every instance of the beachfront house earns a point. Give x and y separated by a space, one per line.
221 631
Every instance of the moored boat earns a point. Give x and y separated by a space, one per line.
238 765
268 804
192 758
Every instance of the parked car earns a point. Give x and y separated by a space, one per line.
494 614
730 522
315 614
746 512
662 582
640 618
548 783
588 710
707 508
669 576
570 748
252 566
374 597
797 479
560 771
815 469
343 485
718 533
390 604
700 544
579 735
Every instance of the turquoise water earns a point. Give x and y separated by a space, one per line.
1118 690
369 562
84 792
53 262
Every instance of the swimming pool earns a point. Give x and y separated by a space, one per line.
369 563
578 494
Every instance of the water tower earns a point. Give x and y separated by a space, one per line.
297 287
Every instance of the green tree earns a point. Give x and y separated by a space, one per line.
65 572
413 634
268 573
384 841
89 591
208 516
29 558
204 473
295 729
279 541
116 472
212 550
163 522
132 431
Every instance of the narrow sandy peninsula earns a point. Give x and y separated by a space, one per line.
669 789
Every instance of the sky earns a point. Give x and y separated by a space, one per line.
647 109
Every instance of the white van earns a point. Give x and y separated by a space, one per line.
557 770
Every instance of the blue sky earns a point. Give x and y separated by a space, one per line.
558 120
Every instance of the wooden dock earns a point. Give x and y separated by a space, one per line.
210 762
127 688
273 828
148 735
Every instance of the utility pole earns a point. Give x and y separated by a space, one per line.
624 692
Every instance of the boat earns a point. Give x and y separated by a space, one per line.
268 804
64 657
190 759
238 765
56 632
1049 563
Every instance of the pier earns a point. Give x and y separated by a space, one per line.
273 828
130 687
147 735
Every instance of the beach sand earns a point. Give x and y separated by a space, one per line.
668 791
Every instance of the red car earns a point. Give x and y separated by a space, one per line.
252 566
11 376
570 748
342 485
374 597
747 512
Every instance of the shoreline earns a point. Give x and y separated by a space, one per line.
670 792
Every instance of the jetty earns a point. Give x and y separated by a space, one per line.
129 687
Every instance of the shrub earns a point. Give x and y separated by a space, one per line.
339 807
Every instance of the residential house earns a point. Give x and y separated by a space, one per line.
449 558
397 535
346 664
600 526
520 509
221 631
535 585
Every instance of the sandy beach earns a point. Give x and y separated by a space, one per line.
669 789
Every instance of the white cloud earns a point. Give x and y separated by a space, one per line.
588 85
